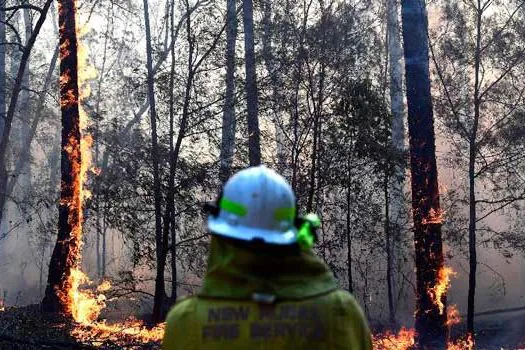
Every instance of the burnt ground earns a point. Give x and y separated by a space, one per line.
27 328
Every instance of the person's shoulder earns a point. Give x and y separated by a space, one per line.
346 302
183 307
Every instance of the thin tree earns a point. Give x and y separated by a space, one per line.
228 117
430 320
3 79
254 144
160 292
483 114
395 198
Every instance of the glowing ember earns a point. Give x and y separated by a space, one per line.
434 217
453 316
440 289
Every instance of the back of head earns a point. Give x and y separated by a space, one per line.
257 205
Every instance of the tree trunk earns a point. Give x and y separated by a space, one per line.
276 82
388 248
254 147
3 72
349 225
66 253
430 321
160 292
24 114
170 205
228 118
395 192
100 234
473 262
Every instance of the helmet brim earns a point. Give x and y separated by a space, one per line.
219 226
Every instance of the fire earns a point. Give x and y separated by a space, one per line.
466 343
441 288
131 328
453 316
83 301
403 340
435 216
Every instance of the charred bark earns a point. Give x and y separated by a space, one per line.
64 257
254 144
430 322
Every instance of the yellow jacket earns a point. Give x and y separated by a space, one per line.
254 301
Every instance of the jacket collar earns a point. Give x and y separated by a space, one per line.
236 271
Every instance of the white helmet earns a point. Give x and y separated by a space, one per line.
256 204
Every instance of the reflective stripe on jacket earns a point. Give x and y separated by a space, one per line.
299 306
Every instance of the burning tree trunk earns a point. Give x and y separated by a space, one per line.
430 311
66 253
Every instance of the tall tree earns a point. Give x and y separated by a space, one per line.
228 117
482 114
254 144
24 110
3 80
160 292
395 196
430 320
66 254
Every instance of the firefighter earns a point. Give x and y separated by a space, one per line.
264 287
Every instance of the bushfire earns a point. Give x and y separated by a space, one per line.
83 304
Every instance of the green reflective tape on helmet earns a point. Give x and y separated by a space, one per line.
284 214
233 207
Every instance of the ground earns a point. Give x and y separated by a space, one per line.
27 328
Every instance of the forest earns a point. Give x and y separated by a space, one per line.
401 123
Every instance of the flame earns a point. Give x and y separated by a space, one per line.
86 305
403 340
131 328
441 288
435 216
466 343
453 317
